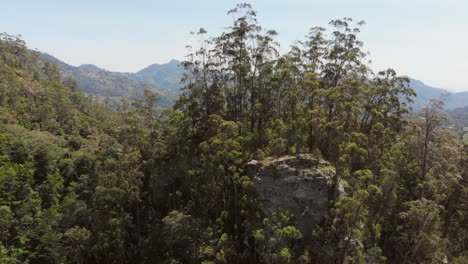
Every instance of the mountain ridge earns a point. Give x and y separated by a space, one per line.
164 79
166 76
119 85
425 93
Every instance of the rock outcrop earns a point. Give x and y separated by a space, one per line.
300 184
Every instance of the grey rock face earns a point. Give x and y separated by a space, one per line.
300 184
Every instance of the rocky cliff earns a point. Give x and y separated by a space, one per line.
300 184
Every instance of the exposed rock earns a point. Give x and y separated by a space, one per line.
300 184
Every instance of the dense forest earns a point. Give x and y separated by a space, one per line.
81 182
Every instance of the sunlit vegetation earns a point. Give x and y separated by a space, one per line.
83 183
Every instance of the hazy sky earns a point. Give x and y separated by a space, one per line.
424 39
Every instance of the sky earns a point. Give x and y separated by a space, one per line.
424 39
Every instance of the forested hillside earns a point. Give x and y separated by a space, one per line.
165 76
425 93
164 79
82 183
115 86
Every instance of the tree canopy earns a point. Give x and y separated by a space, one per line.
83 183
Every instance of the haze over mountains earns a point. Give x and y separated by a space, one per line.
164 76
425 93
164 79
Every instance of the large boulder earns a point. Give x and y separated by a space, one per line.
300 184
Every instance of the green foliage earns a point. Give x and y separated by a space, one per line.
276 240
82 183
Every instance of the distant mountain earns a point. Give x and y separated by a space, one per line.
164 79
164 76
90 67
425 93
114 85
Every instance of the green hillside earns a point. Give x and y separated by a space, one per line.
113 86
166 76
302 157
